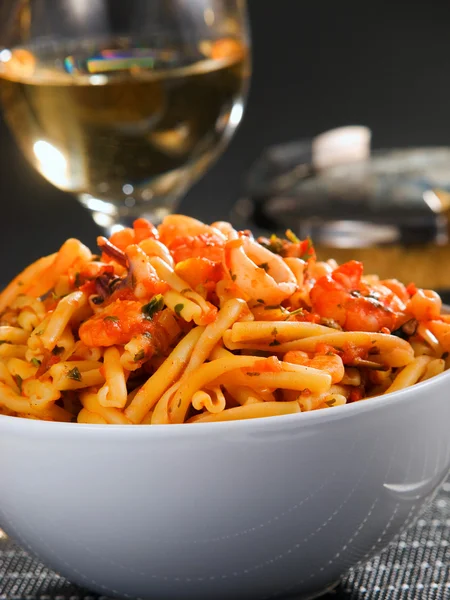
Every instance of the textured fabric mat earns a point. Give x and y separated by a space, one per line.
416 567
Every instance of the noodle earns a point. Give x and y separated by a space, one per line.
190 323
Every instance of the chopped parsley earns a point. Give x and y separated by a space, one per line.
275 244
36 362
139 356
233 277
77 281
18 379
111 318
274 332
178 308
260 301
74 374
264 266
330 403
294 313
272 307
253 373
155 305
275 343
292 237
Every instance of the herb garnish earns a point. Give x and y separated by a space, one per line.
292 237
111 318
264 266
18 379
275 343
74 374
139 356
178 308
155 305
36 362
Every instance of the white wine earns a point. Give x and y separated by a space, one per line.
116 122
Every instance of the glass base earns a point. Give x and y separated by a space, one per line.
112 217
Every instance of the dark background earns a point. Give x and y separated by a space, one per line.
317 64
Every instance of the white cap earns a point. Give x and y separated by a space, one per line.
340 146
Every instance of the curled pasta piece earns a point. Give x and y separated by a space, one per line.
13 351
60 318
245 367
114 391
22 406
251 411
86 416
22 282
153 247
71 251
434 367
74 376
13 335
153 389
212 400
386 349
21 368
113 416
281 331
410 375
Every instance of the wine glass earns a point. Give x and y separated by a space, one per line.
124 104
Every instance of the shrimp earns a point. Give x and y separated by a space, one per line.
259 272
330 363
354 304
425 305
175 226
144 279
142 230
118 323
204 245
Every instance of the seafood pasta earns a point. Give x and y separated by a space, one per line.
191 323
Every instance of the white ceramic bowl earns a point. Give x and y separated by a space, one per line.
252 509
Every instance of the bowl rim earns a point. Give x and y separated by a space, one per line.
297 420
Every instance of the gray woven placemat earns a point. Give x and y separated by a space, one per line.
416 567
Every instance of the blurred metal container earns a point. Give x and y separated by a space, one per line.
388 208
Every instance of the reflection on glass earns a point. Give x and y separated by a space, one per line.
104 100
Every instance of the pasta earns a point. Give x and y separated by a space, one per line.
194 323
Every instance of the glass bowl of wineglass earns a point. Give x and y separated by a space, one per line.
124 104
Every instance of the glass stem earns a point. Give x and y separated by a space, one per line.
111 217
